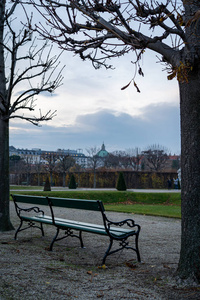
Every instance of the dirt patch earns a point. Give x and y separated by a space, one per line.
29 271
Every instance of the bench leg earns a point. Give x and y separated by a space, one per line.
30 224
107 252
54 239
81 240
41 227
18 229
123 245
137 249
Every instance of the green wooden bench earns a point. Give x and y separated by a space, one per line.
34 216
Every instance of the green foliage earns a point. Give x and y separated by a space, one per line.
47 186
72 183
121 184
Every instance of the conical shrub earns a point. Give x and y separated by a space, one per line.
72 183
121 184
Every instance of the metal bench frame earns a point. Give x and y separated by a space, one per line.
114 230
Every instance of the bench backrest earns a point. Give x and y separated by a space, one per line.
39 200
94 205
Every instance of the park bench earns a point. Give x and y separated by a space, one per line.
34 216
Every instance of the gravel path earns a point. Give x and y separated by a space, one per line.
29 271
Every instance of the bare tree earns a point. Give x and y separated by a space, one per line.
111 161
65 162
100 30
134 158
121 160
94 161
155 157
28 168
25 66
38 168
50 159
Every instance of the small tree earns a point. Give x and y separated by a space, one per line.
121 184
72 183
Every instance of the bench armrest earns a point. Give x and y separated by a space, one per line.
128 222
35 209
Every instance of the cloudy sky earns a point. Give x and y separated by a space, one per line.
92 109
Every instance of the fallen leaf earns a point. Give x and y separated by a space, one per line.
166 266
102 267
89 272
131 265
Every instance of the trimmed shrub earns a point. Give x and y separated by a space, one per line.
121 184
47 186
72 183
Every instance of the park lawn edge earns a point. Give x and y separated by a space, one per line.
155 204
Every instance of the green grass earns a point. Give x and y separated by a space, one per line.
25 187
152 210
157 204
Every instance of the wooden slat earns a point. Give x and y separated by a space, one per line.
39 200
76 203
88 227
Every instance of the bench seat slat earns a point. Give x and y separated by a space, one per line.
76 225
118 229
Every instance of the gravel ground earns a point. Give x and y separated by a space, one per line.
29 271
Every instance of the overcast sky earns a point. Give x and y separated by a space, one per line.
92 109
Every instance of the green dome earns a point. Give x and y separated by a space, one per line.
102 152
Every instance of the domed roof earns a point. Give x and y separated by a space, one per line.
102 152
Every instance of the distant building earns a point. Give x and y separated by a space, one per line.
34 156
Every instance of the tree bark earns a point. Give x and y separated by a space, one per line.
189 263
5 223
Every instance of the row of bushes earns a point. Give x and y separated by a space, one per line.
104 179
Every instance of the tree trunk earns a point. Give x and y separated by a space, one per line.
189 263
64 177
5 223
94 183
51 178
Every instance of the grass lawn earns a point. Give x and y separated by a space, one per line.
156 204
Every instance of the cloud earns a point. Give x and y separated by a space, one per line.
158 124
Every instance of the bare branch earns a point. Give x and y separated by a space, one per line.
102 30
27 60
36 120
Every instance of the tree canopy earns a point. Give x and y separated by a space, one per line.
100 30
